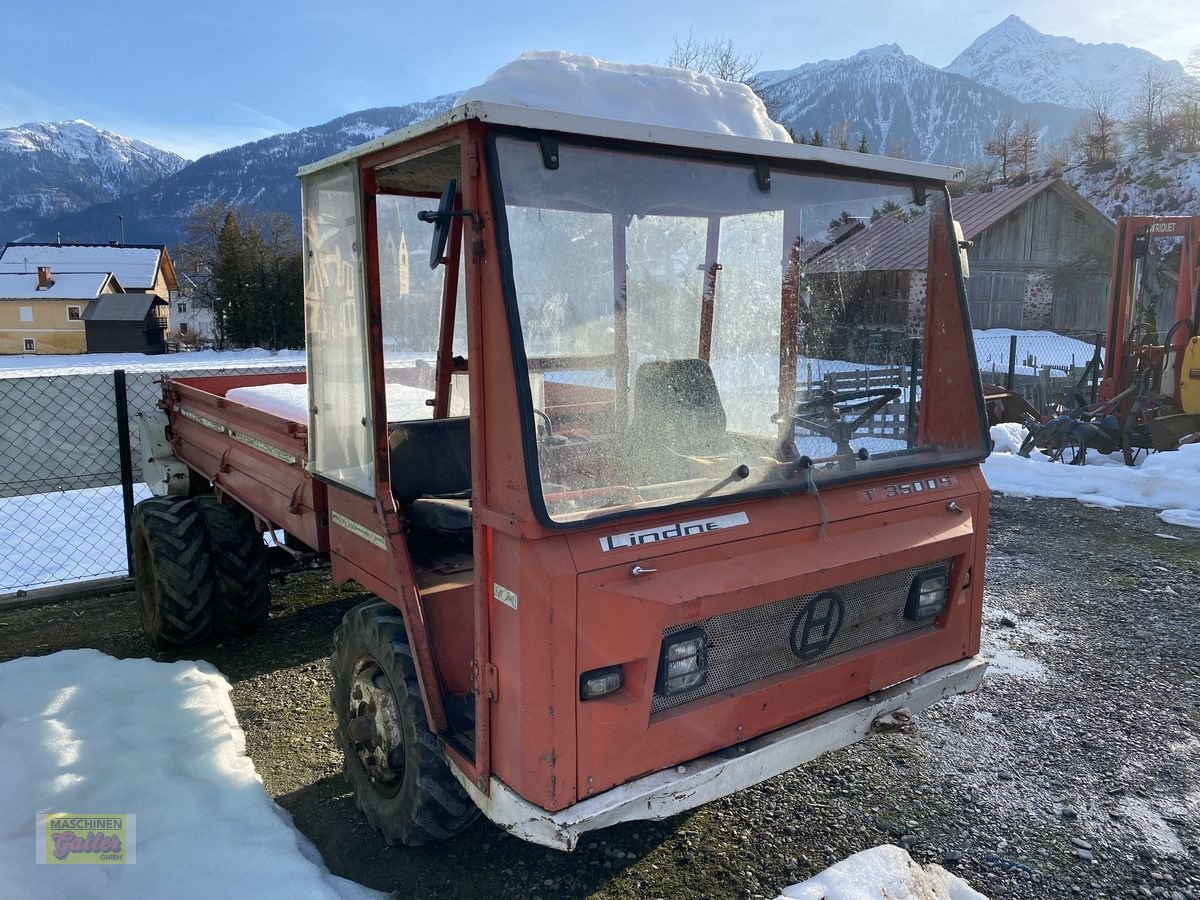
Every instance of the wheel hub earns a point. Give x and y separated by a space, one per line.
373 726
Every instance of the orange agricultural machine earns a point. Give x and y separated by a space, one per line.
1152 368
652 512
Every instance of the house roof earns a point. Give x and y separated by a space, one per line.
891 243
121 307
65 286
135 265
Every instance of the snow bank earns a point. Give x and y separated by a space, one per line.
1164 481
654 95
83 733
882 872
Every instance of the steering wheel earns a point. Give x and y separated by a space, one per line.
826 413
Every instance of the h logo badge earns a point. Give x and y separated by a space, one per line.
817 626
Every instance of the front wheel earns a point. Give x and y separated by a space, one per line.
395 765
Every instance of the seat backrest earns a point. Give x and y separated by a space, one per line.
675 402
430 457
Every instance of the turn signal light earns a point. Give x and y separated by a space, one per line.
599 682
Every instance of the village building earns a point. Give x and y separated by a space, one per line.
1039 259
50 297
126 323
43 312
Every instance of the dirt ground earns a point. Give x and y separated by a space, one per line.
1072 773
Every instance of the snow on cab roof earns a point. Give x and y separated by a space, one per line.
135 265
561 92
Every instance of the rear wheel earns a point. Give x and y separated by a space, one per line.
240 566
396 766
172 571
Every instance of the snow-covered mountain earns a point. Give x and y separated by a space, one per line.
897 100
260 176
51 168
1016 58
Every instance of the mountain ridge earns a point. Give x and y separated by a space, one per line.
48 169
1017 59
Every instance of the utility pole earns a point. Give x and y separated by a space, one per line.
121 222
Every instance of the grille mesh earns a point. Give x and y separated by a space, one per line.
753 643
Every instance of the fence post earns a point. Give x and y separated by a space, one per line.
1012 361
1097 363
122 404
914 360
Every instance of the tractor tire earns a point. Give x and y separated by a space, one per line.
395 765
240 566
172 571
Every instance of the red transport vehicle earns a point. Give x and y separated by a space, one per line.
655 507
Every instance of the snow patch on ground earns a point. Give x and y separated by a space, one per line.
654 95
1162 481
1157 832
41 536
83 733
882 872
1166 186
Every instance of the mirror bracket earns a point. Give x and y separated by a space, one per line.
549 147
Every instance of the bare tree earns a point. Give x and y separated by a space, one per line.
1095 136
839 136
1187 106
1149 123
1000 144
714 57
981 175
1025 145
898 148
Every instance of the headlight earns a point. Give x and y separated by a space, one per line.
927 596
683 665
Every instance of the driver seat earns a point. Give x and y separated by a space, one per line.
677 412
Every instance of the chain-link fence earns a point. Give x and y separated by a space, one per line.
64 477
1044 367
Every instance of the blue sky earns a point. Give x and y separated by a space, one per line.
196 77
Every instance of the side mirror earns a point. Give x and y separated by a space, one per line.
441 223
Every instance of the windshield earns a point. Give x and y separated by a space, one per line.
699 332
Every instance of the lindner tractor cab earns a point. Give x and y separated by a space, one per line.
690 495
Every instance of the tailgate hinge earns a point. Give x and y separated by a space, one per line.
489 683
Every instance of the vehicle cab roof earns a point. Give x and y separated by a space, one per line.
638 132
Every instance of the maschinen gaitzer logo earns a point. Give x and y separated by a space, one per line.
75 839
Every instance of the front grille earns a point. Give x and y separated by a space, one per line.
760 641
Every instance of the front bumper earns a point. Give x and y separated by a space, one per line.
666 793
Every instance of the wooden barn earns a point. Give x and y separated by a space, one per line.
1041 260
126 323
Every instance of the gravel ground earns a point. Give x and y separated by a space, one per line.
1072 772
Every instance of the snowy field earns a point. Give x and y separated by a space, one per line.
1163 481
82 733
1038 348
92 363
